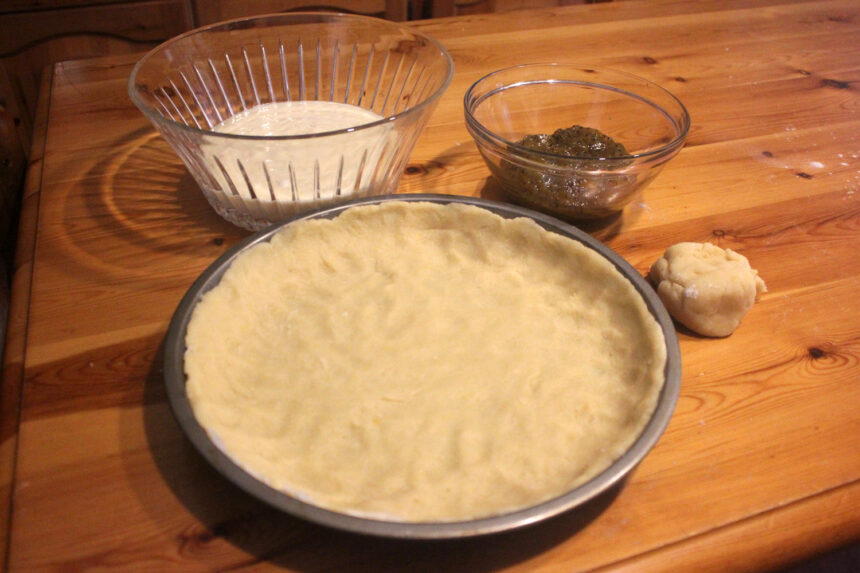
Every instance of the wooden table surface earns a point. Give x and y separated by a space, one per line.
759 466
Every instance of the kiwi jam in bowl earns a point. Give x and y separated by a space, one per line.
573 141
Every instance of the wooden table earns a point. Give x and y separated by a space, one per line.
759 466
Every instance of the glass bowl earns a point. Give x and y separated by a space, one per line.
507 105
366 87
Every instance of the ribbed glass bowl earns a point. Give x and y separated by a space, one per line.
503 107
194 82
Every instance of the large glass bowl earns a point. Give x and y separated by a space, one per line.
194 82
507 105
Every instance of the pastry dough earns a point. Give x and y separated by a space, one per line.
423 362
706 288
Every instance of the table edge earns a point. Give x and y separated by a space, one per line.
14 354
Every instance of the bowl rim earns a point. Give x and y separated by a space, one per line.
174 376
560 161
157 118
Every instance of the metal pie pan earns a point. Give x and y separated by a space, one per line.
175 381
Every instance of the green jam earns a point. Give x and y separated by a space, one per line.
574 181
575 141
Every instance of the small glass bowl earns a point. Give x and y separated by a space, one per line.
196 81
503 107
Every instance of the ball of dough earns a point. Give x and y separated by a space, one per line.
706 288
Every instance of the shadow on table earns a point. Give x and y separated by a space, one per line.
602 229
843 560
228 516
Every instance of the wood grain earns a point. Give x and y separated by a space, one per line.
758 467
32 40
211 11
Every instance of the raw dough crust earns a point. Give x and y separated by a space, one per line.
423 362
706 288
